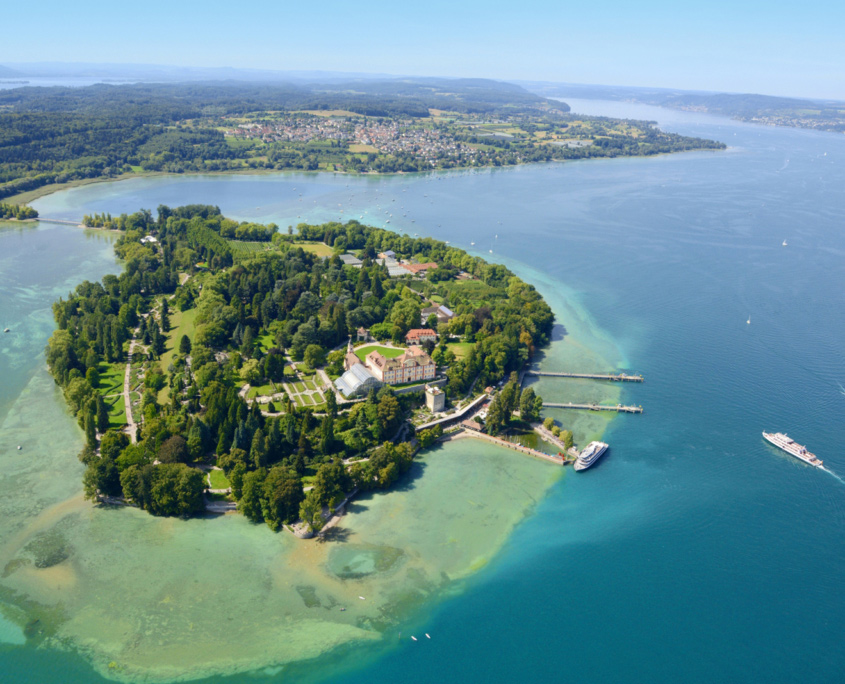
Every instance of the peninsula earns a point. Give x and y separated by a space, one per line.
57 136
234 366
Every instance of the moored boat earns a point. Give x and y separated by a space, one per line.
790 446
591 453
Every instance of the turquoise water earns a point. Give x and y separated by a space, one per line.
693 552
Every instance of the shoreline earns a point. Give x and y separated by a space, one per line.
29 196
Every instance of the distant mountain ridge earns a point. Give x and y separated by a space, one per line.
6 72
826 115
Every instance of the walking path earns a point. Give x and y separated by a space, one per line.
127 398
509 445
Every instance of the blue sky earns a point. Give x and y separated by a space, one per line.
775 48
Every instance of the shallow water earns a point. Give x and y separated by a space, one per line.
694 551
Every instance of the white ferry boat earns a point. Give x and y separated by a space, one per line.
591 453
782 441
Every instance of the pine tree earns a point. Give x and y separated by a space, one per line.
103 414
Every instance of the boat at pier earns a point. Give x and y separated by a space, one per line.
591 453
790 446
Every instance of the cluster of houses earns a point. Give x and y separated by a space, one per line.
396 268
388 136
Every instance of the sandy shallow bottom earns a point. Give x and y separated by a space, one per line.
156 599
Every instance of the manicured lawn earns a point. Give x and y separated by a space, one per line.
111 378
319 248
461 350
262 390
117 412
298 400
310 385
386 352
219 480
308 400
299 386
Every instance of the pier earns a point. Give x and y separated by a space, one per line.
596 407
621 377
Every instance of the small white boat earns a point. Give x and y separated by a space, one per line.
784 243
491 251
414 638
472 243
426 636
7 330
749 319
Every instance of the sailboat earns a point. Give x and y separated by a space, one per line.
784 243
749 319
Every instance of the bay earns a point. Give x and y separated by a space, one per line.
693 551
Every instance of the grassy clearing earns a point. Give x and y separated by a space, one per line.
299 386
310 385
181 323
111 378
461 350
298 400
386 352
266 342
308 400
319 248
357 147
219 480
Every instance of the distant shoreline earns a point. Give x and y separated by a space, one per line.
45 190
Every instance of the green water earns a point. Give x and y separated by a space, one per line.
150 598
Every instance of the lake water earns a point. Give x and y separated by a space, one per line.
693 552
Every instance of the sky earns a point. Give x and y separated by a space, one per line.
775 48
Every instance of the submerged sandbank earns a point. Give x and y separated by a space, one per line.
161 599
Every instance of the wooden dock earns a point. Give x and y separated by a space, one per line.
595 407
620 377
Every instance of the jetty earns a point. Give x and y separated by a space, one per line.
619 377
44 219
557 460
595 407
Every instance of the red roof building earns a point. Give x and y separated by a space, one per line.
420 335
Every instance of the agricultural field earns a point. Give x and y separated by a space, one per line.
319 248
243 249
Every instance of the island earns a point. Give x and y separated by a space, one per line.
233 366
59 136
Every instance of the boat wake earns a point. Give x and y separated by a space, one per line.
834 474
